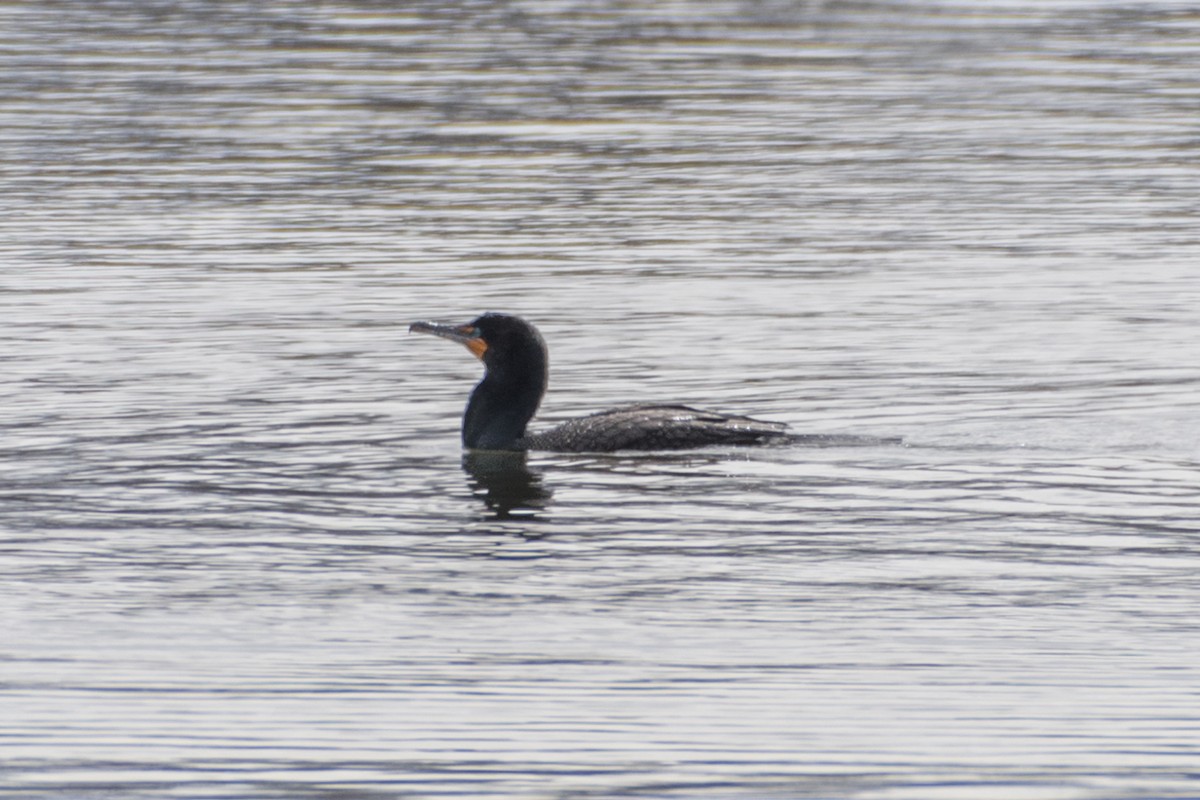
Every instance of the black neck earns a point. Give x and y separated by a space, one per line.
502 405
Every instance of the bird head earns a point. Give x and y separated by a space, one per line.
503 342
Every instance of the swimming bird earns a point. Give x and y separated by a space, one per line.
516 365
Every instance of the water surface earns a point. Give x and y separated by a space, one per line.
244 556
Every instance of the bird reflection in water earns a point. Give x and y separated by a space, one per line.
508 487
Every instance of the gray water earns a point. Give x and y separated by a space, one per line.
242 553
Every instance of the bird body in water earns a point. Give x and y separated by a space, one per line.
517 370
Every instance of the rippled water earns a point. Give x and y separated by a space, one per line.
244 556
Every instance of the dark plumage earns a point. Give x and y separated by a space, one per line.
647 427
517 369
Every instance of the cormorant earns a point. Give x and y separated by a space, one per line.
516 363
